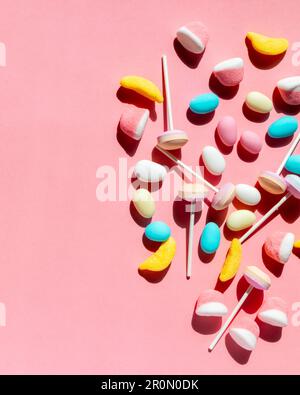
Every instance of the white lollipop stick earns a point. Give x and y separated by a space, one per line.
187 168
168 93
289 153
230 318
264 218
191 239
257 279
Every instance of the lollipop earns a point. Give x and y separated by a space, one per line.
192 193
256 279
232 262
171 139
273 182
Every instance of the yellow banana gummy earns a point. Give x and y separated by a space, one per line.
232 261
162 258
267 45
297 244
142 86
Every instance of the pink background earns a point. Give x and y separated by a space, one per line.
75 302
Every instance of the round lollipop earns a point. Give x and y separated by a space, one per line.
171 139
256 279
191 193
234 255
223 195
273 182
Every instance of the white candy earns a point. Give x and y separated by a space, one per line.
148 171
240 219
247 194
213 160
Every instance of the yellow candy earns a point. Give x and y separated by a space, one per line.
232 261
162 258
142 86
297 244
268 45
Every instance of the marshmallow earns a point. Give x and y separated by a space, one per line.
247 194
245 333
274 311
143 202
148 171
289 89
279 246
211 304
230 72
272 182
133 121
172 139
193 36
257 278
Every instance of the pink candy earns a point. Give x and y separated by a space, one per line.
193 37
274 311
279 246
230 72
251 142
211 303
133 121
227 130
245 333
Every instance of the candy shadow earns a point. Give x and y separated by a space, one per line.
275 143
129 144
231 234
221 146
290 210
275 267
267 332
222 286
203 256
245 155
207 175
138 219
268 200
281 106
224 92
239 354
129 96
151 186
253 301
190 59
241 206
199 119
158 157
205 325
217 216
261 61
296 251
254 116
153 277
150 244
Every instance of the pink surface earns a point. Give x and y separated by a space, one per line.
68 265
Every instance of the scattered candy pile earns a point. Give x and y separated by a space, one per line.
278 246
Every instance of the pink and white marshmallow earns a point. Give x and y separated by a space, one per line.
289 89
245 333
279 246
133 121
211 304
230 72
274 311
193 36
